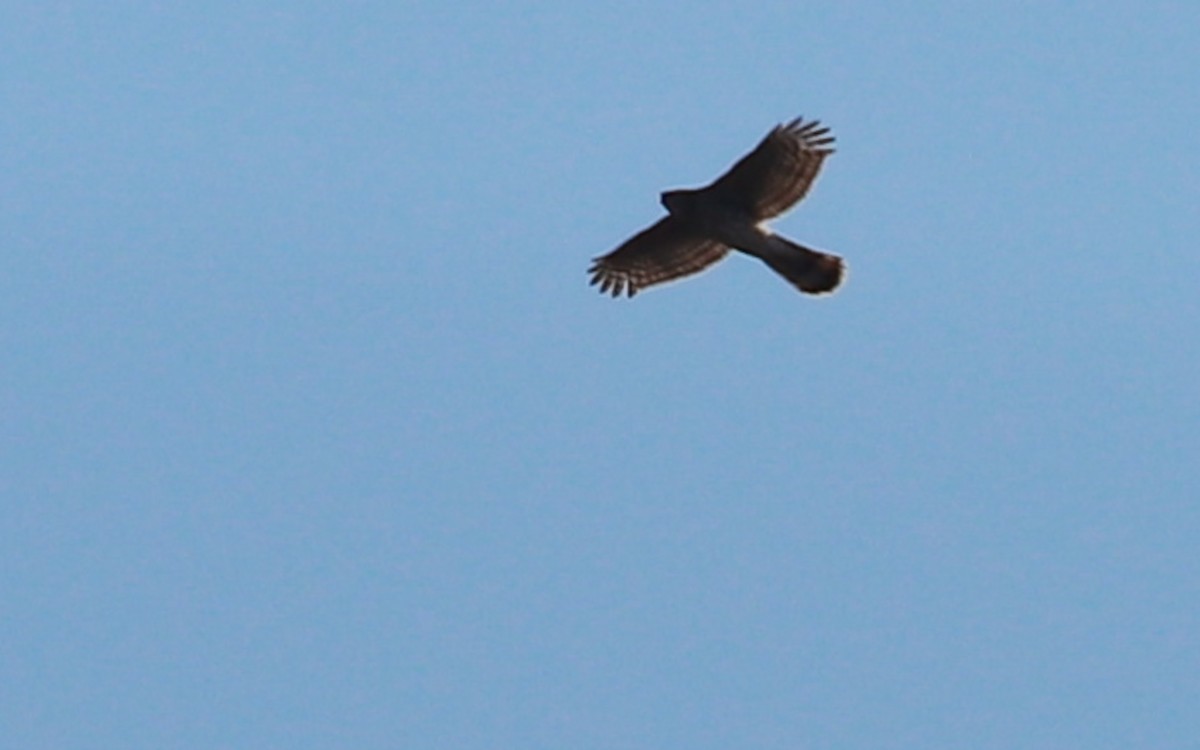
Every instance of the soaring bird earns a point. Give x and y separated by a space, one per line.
703 224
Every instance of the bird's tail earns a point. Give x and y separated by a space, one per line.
808 270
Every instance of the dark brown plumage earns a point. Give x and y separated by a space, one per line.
703 225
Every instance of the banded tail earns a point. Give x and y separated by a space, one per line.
810 271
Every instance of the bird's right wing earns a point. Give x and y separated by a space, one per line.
778 172
665 251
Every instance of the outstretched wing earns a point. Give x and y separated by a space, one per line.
665 251
778 172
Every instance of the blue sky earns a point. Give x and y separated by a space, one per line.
315 436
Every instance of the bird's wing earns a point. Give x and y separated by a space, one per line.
665 251
778 172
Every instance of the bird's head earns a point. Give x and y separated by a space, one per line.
677 201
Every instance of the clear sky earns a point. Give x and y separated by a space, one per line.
314 436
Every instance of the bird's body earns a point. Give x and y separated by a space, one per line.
703 224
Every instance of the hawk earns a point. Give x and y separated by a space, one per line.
702 225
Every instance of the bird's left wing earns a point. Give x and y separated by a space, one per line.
665 251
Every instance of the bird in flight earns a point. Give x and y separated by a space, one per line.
702 225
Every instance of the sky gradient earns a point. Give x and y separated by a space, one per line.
314 435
